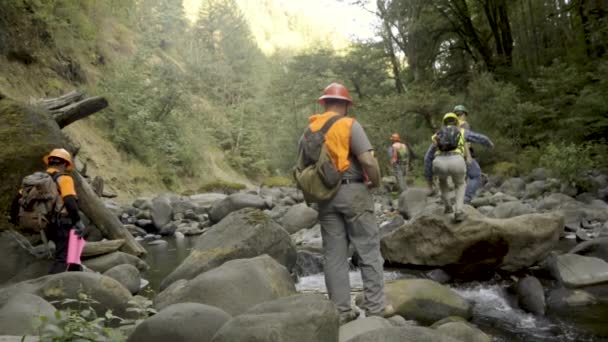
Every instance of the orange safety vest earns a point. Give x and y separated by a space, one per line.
337 139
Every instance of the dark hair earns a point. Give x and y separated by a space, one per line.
57 161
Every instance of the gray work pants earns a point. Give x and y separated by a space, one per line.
453 166
399 173
349 218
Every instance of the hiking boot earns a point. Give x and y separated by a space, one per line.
388 311
448 209
348 316
459 216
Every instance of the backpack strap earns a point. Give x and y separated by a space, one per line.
330 123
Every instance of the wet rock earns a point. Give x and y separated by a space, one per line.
403 334
597 248
235 287
19 312
530 295
511 209
145 224
235 202
295 318
181 322
105 262
362 326
298 217
189 229
309 239
107 292
127 275
135 231
424 300
576 270
168 229
242 234
309 263
513 186
162 243
180 205
102 247
580 308
439 275
478 244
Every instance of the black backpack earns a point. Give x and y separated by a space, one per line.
448 138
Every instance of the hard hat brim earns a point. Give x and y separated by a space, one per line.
46 158
337 97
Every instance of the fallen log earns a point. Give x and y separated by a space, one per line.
102 247
61 101
79 110
92 206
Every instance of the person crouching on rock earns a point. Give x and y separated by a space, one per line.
445 158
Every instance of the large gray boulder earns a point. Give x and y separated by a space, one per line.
300 216
181 322
295 318
234 287
432 239
235 202
19 312
511 209
161 211
463 331
406 333
536 189
358 327
13 258
412 201
107 292
127 275
309 239
424 300
597 248
513 186
243 234
575 270
103 263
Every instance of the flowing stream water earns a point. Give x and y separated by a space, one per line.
493 310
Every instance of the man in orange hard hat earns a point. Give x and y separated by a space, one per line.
399 160
348 218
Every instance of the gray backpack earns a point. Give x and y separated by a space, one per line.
40 201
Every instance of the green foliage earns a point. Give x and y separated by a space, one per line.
221 186
79 324
567 161
277 181
505 169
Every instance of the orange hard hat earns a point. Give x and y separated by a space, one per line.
336 91
395 137
62 154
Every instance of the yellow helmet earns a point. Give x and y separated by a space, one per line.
62 154
450 117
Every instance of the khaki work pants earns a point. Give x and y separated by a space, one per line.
349 218
453 166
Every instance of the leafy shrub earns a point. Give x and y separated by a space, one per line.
567 161
505 169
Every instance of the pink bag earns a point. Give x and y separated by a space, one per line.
75 247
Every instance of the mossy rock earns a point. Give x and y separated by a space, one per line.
277 181
222 186
26 135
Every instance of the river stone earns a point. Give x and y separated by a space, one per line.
243 234
235 286
19 313
530 295
575 270
463 331
538 174
143 203
181 205
403 334
424 300
511 209
168 229
26 135
597 248
13 258
412 201
309 239
102 247
486 210
513 186
393 223
181 322
300 216
303 317
161 211
432 239
127 275
361 326
107 292
535 189
235 202
105 262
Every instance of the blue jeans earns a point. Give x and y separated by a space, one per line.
473 180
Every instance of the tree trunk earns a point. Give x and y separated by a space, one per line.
79 110
108 223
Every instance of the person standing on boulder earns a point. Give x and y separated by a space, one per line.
473 168
66 216
446 158
348 218
399 160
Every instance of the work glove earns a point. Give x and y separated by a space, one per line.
80 229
